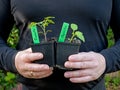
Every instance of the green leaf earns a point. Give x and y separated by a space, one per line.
48 17
51 22
31 24
45 24
80 35
74 26
48 31
40 32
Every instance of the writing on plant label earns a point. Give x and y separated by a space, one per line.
35 35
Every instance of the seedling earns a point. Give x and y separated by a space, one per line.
48 20
43 25
76 33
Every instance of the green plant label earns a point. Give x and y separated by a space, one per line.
35 35
63 32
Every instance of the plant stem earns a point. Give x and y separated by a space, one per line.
44 32
73 34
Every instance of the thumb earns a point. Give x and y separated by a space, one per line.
28 50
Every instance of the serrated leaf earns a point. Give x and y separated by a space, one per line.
80 35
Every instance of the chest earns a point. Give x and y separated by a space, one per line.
90 8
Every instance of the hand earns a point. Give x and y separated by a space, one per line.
25 67
90 67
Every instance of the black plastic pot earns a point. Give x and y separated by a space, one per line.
48 51
63 51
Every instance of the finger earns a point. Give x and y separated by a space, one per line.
38 75
83 56
30 57
81 79
35 67
80 65
43 75
77 73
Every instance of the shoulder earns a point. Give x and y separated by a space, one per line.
5 3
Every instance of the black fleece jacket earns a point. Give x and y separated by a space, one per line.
93 18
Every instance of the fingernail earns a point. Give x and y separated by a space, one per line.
40 54
71 57
66 75
66 63
51 68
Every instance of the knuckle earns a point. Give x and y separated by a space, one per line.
21 68
83 65
24 55
81 73
85 57
95 64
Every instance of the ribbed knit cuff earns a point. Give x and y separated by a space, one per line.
108 55
10 61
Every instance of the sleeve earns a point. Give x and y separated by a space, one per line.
112 55
7 54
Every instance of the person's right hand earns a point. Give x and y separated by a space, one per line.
25 67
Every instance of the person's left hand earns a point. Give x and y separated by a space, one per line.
90 66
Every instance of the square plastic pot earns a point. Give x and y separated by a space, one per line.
48 51
63 51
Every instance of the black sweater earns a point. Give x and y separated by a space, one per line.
93 18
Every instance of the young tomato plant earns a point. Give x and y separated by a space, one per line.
43 25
